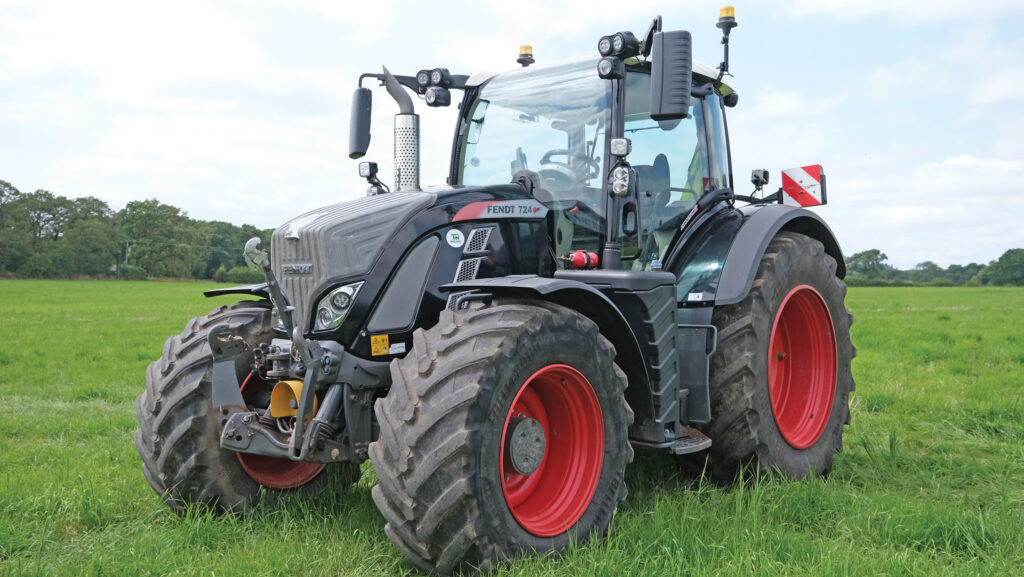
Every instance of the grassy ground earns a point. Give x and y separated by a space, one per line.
931 481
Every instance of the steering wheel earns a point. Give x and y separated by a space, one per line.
557 177
592 166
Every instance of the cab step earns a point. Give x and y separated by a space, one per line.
691 441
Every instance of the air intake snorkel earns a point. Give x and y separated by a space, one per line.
407 137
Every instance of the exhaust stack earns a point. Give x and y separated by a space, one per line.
407 137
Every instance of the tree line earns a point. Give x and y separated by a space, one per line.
870 268
43 235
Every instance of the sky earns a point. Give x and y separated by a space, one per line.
239 110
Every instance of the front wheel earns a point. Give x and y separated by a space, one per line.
504 432
781 379
178 437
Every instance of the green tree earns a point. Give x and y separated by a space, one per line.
869 263
164 241
224 245
926 272
91 246
15 245
1008 269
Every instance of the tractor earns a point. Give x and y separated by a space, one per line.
586 281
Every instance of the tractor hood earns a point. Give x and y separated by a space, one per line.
345 241
340 240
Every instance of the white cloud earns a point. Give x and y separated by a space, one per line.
910 10
218 110
131 47
949 212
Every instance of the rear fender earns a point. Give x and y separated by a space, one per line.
717 265
761 224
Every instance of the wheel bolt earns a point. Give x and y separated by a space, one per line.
782 355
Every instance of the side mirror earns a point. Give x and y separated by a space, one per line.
359 127
671 75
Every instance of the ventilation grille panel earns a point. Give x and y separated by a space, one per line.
468 269
477 242
454 298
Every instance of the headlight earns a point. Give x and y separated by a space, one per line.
333 308
620 181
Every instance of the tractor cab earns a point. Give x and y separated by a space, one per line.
552 127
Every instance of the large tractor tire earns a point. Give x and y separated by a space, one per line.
780 379
504 433
179 438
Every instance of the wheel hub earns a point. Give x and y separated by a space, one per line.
526 444
802 367
552 449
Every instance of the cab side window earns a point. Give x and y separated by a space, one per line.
671 164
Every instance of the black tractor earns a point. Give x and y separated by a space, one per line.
587 281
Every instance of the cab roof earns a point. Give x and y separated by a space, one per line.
725 86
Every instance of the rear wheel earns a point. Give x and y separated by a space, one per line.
780 379
179 437
504 432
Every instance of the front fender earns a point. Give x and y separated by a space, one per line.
591 303
259 290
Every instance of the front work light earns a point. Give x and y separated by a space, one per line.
624 44
423 78
611 67
620 44
620 146
440 77
367 169
438 96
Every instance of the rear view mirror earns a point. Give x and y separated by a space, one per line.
359 127
671 69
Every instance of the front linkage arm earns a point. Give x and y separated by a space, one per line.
244 430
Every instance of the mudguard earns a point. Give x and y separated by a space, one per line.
761 223
592 303
717 265
259 290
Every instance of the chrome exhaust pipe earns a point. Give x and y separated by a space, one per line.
407 137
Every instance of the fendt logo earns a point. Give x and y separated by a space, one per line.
297 269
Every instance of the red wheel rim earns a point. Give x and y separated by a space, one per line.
802 366
552 498
271 472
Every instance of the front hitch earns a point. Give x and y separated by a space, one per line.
248 431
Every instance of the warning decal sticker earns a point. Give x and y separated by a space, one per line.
379 345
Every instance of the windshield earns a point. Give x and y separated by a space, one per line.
551 121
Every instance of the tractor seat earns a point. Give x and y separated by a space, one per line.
652 179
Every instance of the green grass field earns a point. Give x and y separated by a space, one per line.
931 481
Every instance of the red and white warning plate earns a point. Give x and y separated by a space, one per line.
804 186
